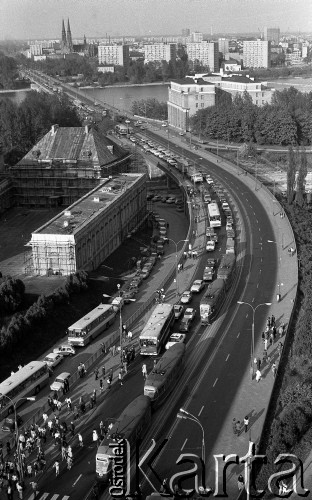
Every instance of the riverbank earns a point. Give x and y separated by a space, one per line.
121 85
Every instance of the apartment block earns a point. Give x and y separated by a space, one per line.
117 55
159 52
256 54
207 53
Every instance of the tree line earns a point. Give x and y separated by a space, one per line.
286 121
150 108
23 125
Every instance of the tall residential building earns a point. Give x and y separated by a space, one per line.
186 97
197 37
160 52
186 32
223 45
272 35
256 54
116 55
207 53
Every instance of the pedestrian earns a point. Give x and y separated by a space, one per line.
95 437
272 320
63 452
246 423
109 382
113 350
258 363
80 440
45 418
124 331
274 369
34 487
263 336
9 492
130 335
80 370
185 255
280 348
144 371
83 368
240 482
238 427
120 376
269 322
19 488
103 371
69 404
234 426
69 463
29 470
101 385
96 373
56 466
265 344
72 428
258 375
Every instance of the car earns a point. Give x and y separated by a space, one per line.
65 350
178 310
208 273
151 260
181 133
209 180
58 383
175 338
197 286
164 125
185 324
53 359
145 272
207 198
189 313
157 197
128 295
170 200
210 246
137 280
186 297
211 263
228 226
118 303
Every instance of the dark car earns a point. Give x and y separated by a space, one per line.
9 423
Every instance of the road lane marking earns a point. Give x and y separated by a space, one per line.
215 382
77 480
184 444
257 285
201 411
238 334
227 357
253 300
45 495
54 496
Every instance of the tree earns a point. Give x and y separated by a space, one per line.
291 175
302 173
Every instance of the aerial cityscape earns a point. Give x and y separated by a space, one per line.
155 249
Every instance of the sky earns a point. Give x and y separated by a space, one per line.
41 19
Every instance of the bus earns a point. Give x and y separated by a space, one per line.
211 301
91 325
156 331
214 214
27 381
132 424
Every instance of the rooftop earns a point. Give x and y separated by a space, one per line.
78 145
191 81
70 220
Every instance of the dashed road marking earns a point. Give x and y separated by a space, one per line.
215 382
184 444
200 411
227 357
77 480
238 334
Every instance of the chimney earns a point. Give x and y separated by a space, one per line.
54 129
87 129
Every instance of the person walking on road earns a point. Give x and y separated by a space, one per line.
95 437
72 428
101 385
96 373
246 423
56 466
120 376
103 371
34 487
240 482
80 440
274 369
144 371
258 375
69 463
19 488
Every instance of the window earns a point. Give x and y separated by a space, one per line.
197 105
202 105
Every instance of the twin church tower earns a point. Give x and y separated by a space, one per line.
66 42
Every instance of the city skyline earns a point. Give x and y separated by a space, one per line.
30 19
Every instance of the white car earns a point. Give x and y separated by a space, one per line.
178 310
189 313
186 297
197 286
58 383
53 359
65 350
210 246
175 338
118 303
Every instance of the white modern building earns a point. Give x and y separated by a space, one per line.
186 97
116 55
207 53
159 52
256 54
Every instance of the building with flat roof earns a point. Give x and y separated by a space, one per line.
89 230
256 54
159 52
272 35
64 165
116 55
186 97
223 45
206 53
258 91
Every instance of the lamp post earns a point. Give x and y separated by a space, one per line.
282 244
252 353
19 459
183 414
176 254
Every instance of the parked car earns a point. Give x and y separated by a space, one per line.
58 383
186 297
145 272
210 246
197 286
185 324
208 273
189 313
53 359
175 338
178 310
211 263
65 350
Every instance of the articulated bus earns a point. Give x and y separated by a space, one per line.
26 382
214 215
91 325
157 329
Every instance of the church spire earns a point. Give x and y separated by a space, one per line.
63 40
69 38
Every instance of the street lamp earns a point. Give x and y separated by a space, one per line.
183 414
176 253
19 459
252 353
282 244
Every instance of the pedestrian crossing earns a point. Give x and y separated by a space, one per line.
48 496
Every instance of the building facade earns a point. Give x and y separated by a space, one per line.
272 35
65 165
159 52
256 54
88 231
116 55
207 53
237 85
186 97
223 45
